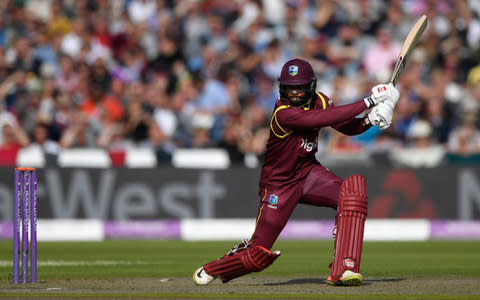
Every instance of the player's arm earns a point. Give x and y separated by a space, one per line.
354 126
341 117
381 115
295 118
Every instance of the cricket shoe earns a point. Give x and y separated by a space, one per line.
348 278
200 277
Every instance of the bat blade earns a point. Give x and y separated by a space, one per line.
407 47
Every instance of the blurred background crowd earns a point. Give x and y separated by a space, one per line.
163 75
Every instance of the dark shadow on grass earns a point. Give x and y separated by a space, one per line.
384 280
299 281
322 281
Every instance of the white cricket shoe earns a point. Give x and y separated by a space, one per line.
200 277
348 278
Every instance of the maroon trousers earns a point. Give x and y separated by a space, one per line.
320 188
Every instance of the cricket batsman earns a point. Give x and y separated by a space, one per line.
291 175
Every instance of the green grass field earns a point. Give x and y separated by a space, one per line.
162 269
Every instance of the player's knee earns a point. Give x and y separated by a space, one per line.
336 185
336 182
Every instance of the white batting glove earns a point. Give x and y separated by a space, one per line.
382 93
381 115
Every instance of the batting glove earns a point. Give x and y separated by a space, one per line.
383 93
381 116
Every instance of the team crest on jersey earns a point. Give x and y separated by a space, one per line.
293 70
273 199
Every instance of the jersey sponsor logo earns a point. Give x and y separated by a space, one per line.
308 146
293 70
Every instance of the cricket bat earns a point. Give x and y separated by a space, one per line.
407 47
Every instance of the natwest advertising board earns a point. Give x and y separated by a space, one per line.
169 193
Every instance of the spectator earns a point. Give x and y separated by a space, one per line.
13 139
325 19
72 43
273 59
44 51
67 79
343 150
140 10
217 40
4 34
117 90
99 75
213 100
380 58
80 134
160 144
232 142
249 11
422 150
130 67
101 107
59 24
395 21
163 115
100 31
265 95
41 140
137 122
41 9
473 76
7 118
346 50
202 124
256 132
368 15
169 53
465 139
195 27
21 56
13 91
63 114
124 39
315 48
440 117
298 25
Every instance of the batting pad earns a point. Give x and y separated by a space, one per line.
351 215
251 259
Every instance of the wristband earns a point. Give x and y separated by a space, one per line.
369 102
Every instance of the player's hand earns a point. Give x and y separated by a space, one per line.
383 93
381 115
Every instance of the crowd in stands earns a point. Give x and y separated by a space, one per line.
165 74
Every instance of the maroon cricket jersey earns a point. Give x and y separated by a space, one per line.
294 130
